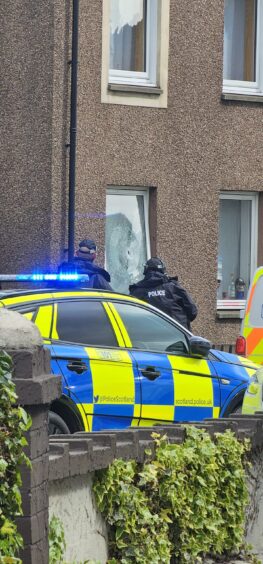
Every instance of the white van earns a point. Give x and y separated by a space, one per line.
250 342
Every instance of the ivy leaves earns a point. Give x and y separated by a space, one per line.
186 503
137 534
57 543
13 423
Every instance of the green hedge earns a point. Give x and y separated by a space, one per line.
185 505
13 423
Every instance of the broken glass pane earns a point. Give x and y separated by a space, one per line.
126 243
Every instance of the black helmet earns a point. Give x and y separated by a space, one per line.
87 246
154 263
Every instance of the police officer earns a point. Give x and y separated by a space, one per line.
83 263
164 292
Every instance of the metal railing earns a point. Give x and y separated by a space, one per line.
225 347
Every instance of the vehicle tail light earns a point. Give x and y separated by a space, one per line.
241 346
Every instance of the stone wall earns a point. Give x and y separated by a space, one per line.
73 459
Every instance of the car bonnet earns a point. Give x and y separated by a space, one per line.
234 359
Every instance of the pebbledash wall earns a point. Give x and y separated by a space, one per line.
187 153
60 479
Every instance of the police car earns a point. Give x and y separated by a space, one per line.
124 363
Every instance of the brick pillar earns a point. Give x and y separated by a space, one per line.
36 388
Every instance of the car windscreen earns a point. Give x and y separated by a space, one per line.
256 308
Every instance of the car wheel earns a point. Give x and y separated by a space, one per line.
56 425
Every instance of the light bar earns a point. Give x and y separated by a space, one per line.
62 277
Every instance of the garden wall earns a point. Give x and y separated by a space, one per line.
73 459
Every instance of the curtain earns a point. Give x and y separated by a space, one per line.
240 40
125 12
128 35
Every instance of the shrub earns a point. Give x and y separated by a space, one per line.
13 423
185 504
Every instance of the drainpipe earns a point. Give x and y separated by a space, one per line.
73 130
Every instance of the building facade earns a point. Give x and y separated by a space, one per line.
169 142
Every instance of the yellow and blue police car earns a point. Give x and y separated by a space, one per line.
124 363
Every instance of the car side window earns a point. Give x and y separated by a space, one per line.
148 330
84 322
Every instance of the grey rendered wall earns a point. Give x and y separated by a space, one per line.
34 47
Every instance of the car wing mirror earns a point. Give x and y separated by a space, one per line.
199 347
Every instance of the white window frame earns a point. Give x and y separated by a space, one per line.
129 191
149 77
253 198
244 87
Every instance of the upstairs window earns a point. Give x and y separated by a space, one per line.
243 48
133 42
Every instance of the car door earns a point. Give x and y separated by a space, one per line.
174 385
99 374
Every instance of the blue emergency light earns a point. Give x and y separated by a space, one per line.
62 277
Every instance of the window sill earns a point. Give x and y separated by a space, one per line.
230 309
252 98
228 314
154 90
231 304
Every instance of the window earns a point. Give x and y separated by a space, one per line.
84 322
237 254
127 236
150 331
243 47
135 43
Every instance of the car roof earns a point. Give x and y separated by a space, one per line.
27 291
75 291
15 296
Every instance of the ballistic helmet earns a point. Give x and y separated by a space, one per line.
156 264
